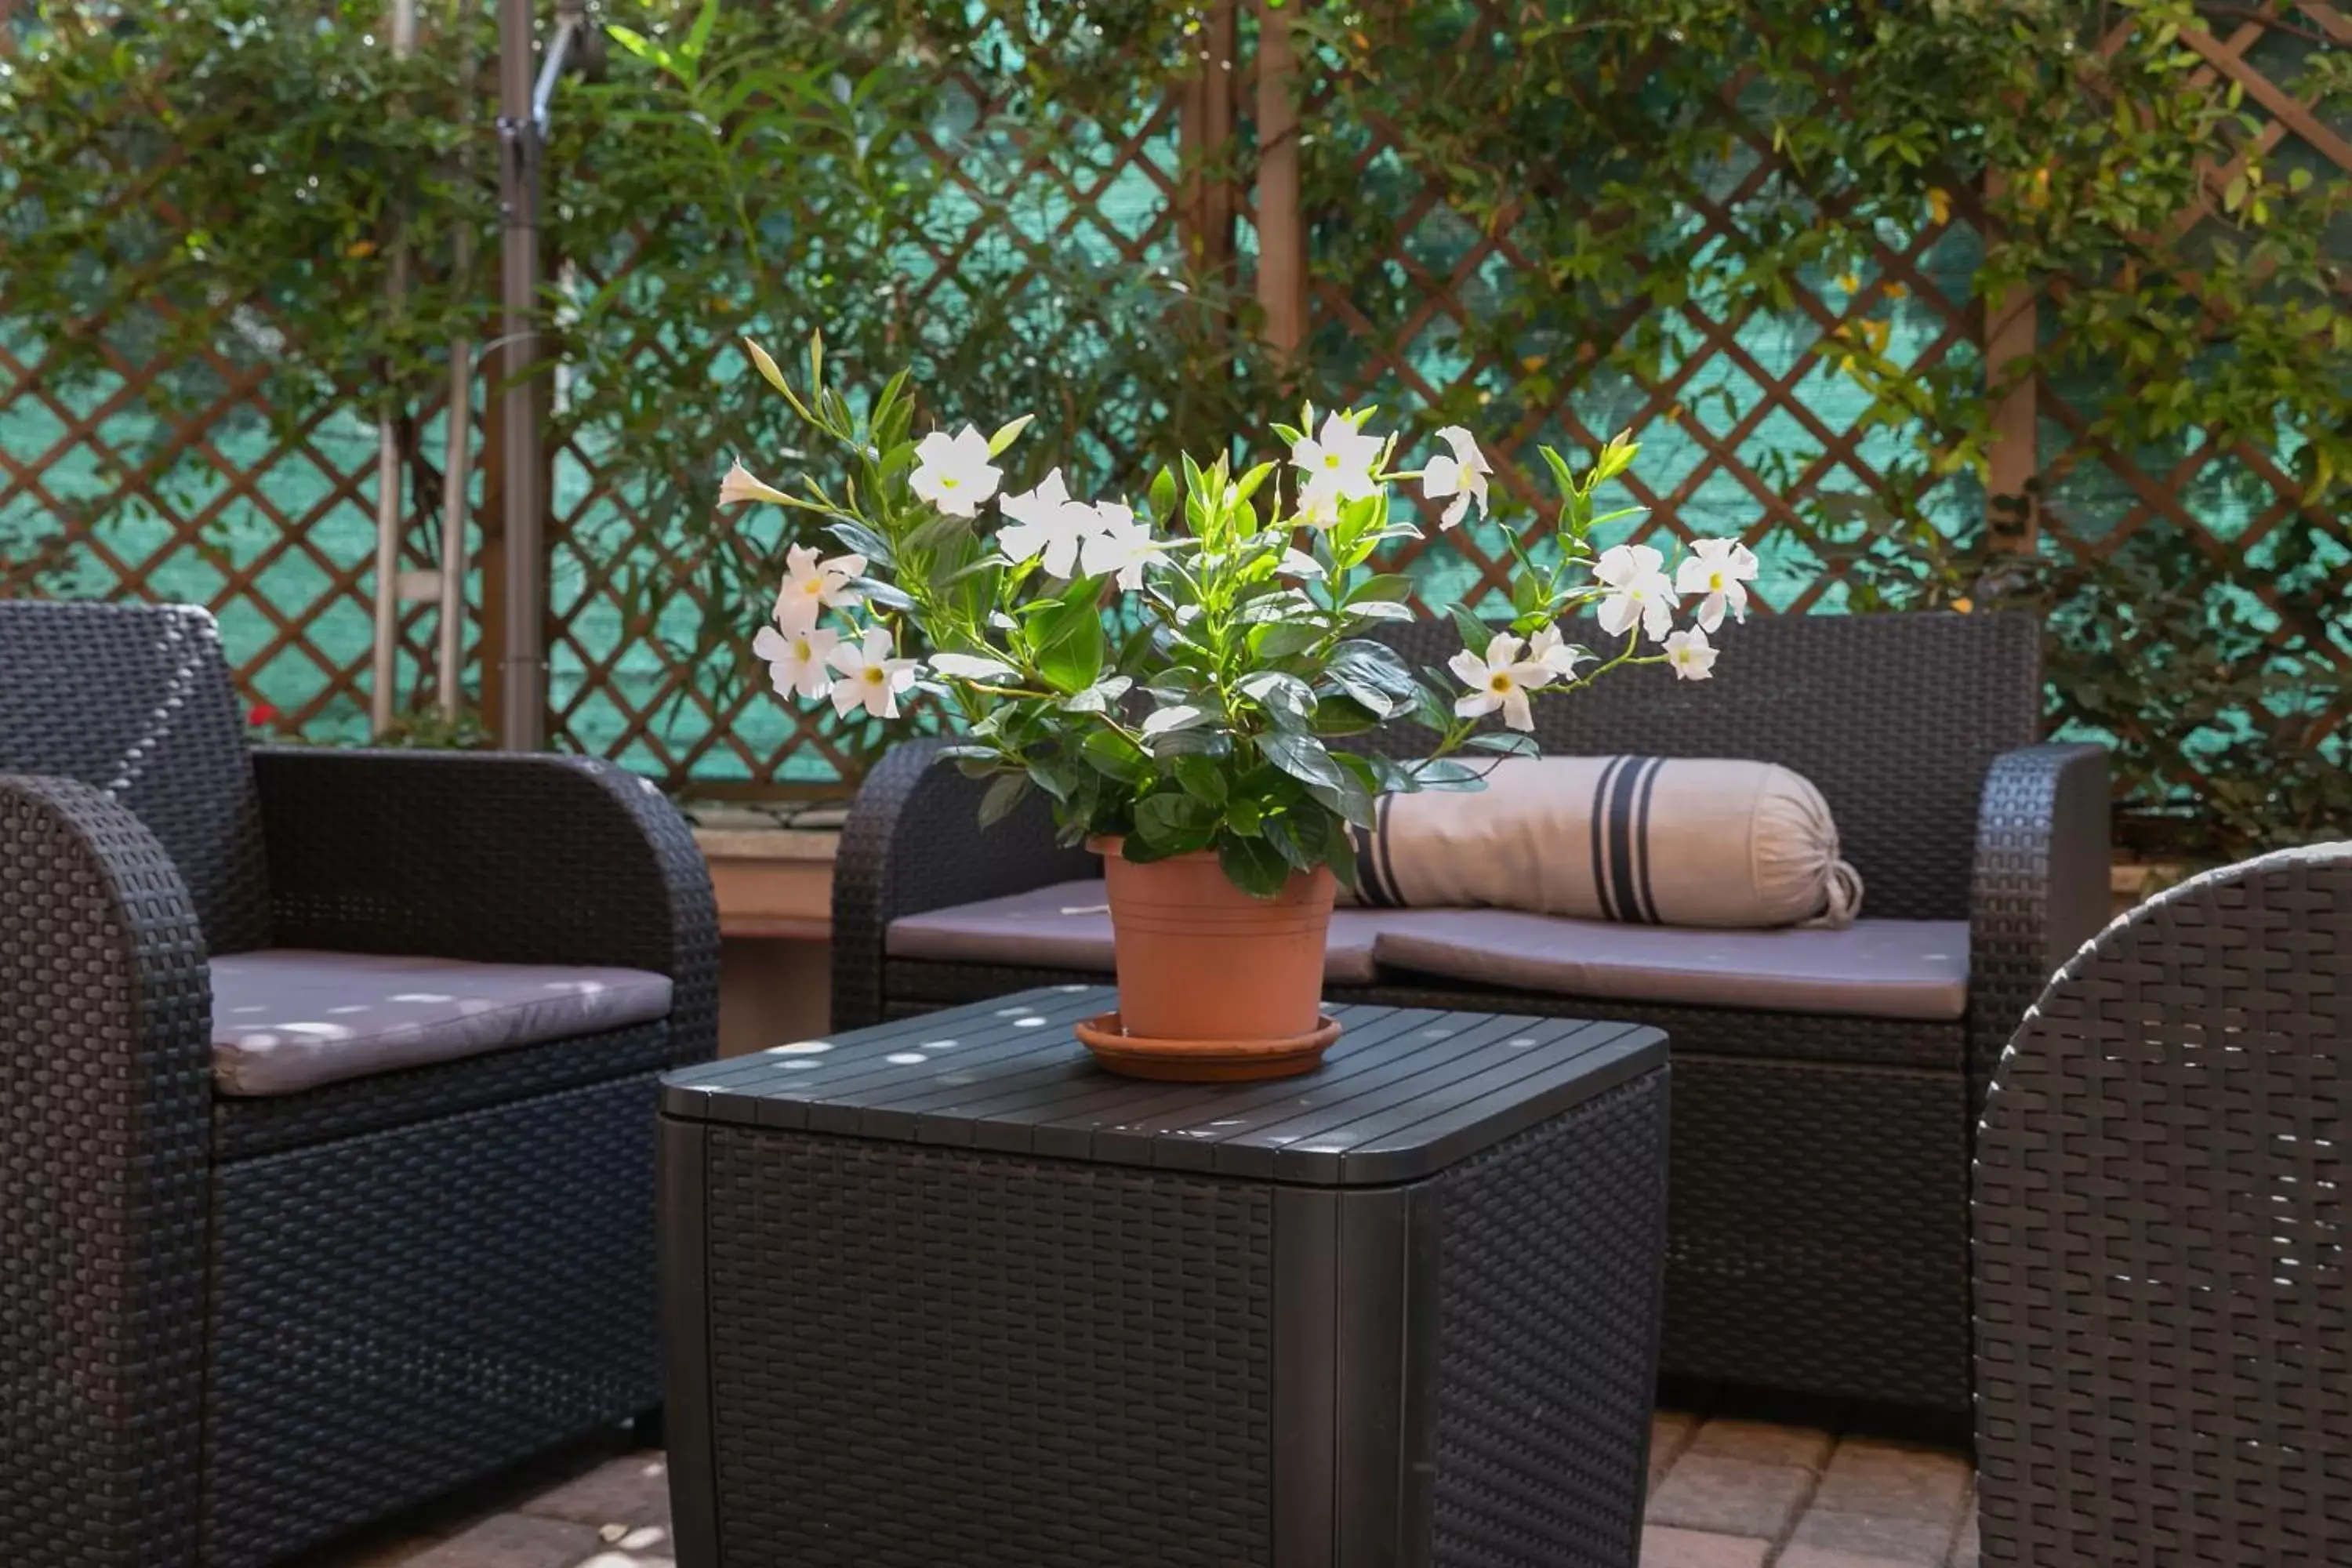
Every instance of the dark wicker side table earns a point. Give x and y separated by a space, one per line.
944 1292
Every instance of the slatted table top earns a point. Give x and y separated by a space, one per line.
1404 1093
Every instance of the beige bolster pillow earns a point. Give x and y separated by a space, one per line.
1689 841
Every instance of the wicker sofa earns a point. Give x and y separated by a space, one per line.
233 1325
2163 1331
1820 1160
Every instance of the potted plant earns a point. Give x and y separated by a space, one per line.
1181 677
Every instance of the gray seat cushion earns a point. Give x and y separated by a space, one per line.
287 1019
1872 969
1067 926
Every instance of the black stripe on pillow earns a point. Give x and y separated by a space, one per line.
1646 900
1624 780
1601 888
1375 879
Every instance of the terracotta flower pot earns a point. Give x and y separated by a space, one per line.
1213 983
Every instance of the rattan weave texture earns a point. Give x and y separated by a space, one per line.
395 1313
936 1355
1548 1339
104 1074
2163 1322
229 1330
139 704
1920 732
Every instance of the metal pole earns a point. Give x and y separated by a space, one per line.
522 719
456 456
389 491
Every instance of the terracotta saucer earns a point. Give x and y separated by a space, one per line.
1205 1061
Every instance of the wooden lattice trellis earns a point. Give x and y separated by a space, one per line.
1741 431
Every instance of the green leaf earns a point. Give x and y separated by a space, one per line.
1445 774
1172 814
861 539
698 36
1340 856
1007 434
1616 456
1349 715
1302 757
1161 497
1511 743
1244 816
1098 697
1390 585
1200 742
1561 474
1116 756
1475 634
1253 865
1202 779
1007 792
1281 639
1069 640
1290 701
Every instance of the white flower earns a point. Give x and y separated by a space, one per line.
1546 648
1721 568
953 473
1639 590
1119 545
1046 523
1319 500
1339 463
1501 680
870 678
1688 653
739 485
796 660
1462 476
814 586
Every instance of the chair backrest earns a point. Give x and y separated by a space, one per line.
136 701
1895 718
2163 1197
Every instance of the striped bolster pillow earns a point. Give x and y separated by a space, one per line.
1655 840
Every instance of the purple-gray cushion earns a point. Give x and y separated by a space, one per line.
1067 926
1871 969
287 1019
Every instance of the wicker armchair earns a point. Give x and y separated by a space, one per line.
2164 1191
233 1327
1819 1232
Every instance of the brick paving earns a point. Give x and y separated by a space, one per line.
1725 1492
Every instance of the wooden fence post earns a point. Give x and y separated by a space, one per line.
1281 229
1204 212
2013 328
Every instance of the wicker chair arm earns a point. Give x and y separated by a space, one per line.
2040 887
105 1098
495 856
913 842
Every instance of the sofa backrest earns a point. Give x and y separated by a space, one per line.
1896 718
136 701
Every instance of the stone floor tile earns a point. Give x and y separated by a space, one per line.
1896 1480
1878 1537
1763 1442
1730 1496
1670 1434
632 1490
1663 1546
1820 1557
513 1541
1964 1549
